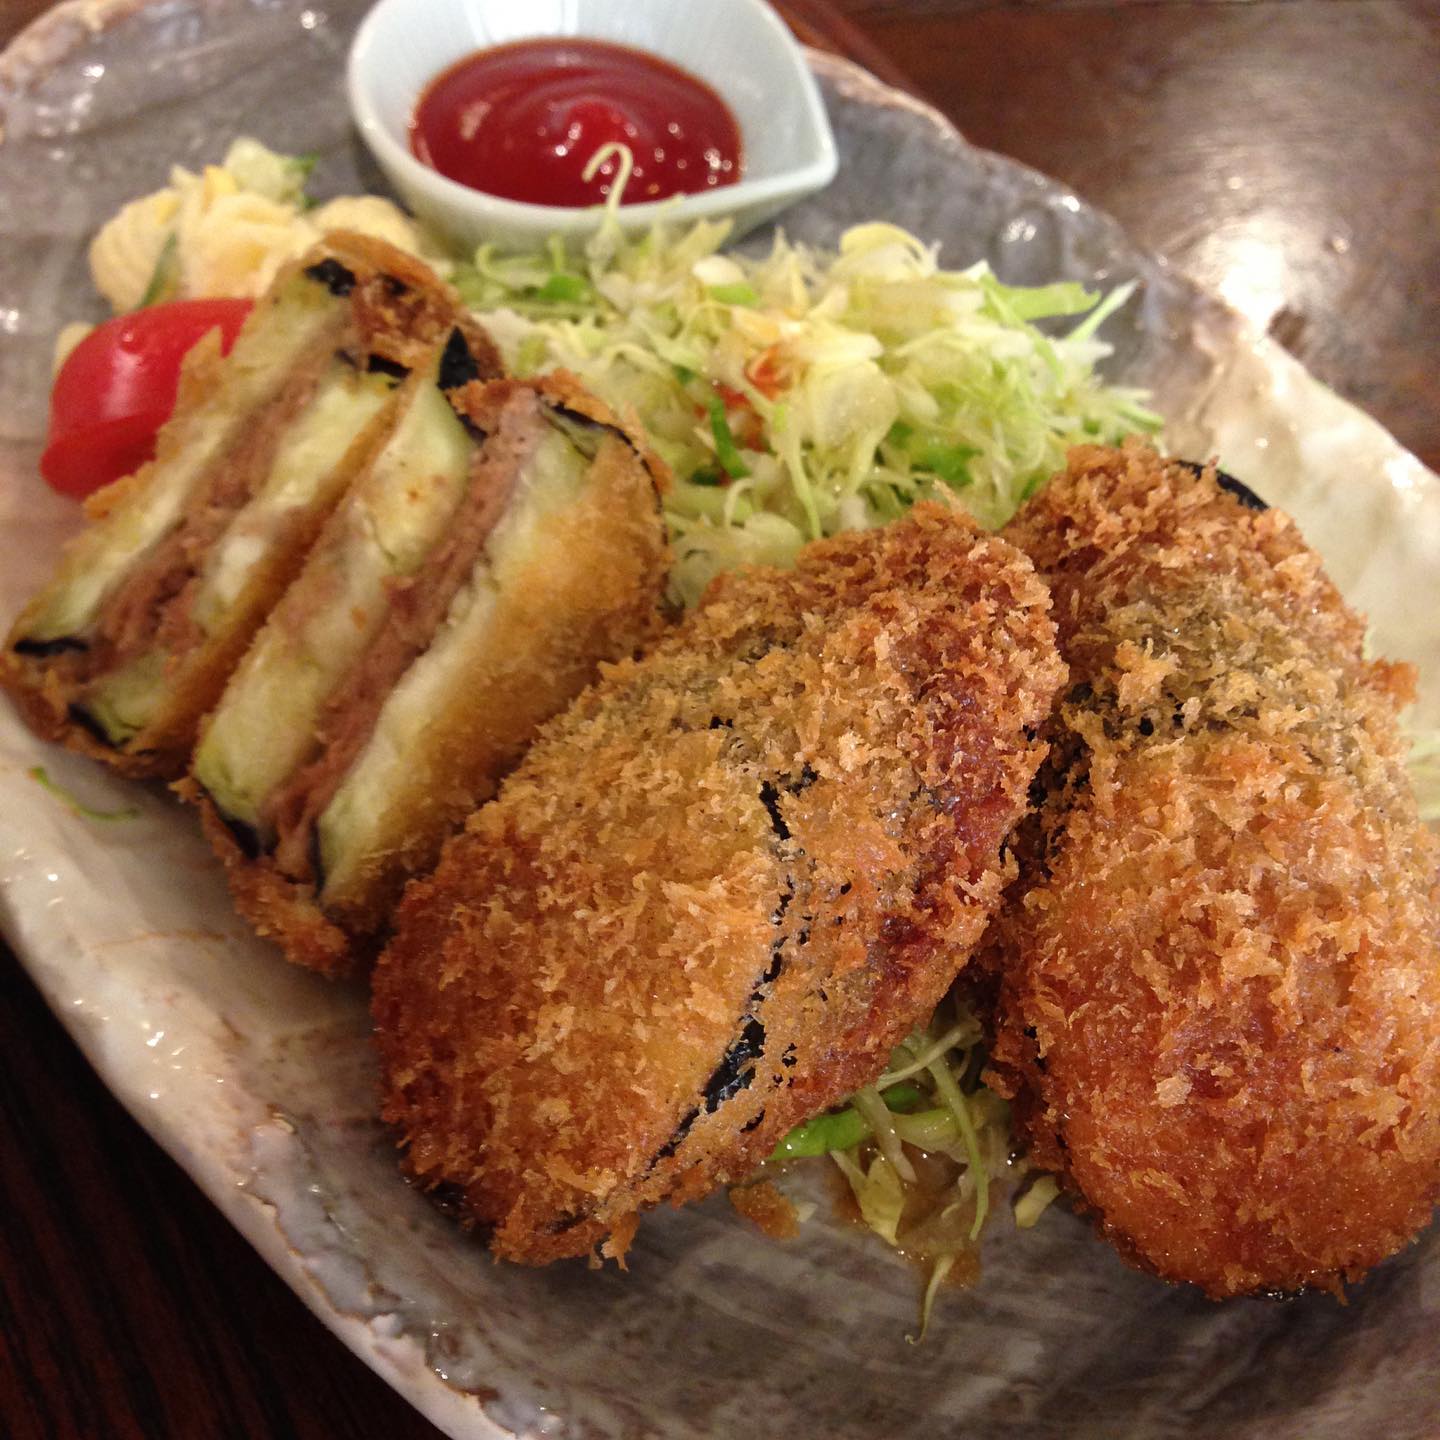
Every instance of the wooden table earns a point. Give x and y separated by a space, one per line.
1281 151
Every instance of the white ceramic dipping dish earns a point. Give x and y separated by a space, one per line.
739 47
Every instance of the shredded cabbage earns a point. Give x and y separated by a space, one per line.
803 392
1035 1201
41 776
923 1148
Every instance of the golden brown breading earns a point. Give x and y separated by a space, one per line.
1220 1011
586 586
720 887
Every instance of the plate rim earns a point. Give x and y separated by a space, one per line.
400 1361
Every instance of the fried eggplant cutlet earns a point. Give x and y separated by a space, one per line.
720 887
154 604
1220 1009
506 540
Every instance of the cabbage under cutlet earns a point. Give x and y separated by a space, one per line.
721 887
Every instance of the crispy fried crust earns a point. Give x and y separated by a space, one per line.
42 697
720 887
278 909
592 591
1220 1007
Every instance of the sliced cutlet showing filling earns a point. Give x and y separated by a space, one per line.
503 543
270 724
520 445
720 887
155 604
568 572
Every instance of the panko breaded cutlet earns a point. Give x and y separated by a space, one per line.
720 887
464 592
152 605
1220 1008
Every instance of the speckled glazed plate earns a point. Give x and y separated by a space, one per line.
259 1078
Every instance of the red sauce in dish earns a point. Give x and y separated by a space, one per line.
522 121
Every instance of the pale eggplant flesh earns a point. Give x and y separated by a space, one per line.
501 544
153 604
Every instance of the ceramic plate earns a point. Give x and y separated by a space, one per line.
258 1078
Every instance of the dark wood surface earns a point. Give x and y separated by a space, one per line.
1282 152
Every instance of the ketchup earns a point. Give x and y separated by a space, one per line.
522 121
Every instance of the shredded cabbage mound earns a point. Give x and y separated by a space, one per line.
923 1147
805 392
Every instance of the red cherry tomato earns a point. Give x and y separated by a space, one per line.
117 388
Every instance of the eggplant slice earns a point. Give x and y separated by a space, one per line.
720 887
154 604
504 541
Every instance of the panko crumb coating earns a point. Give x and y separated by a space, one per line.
1220 1011
720 888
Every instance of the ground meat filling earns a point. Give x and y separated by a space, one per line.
418 606
387 327
155 599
